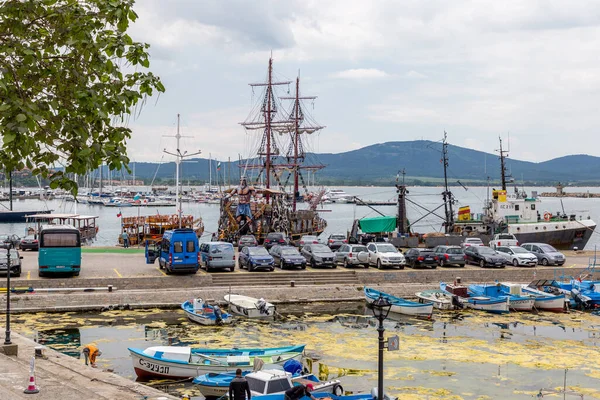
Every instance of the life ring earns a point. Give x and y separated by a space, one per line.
338 390
547 216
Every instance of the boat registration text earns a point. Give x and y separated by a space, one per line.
161 369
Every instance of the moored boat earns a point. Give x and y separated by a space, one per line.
249 306
265 381
204 314
517 300
484 303
186 362
545 301
399 305
441 300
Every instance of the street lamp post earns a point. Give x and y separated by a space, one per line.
381 309
7 337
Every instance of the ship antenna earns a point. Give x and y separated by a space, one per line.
447 194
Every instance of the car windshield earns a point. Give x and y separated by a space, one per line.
423 251
320 248
247 239
13 255
386 248
548 248
511 237
220 248
453 250
309 238
473 241
275 236
258 251
486 250
290 252
359 248
338 237
519 250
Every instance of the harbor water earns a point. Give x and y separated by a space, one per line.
467 355
339 216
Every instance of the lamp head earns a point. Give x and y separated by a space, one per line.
381 307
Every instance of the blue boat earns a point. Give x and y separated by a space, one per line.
516 301
360 396
399 305
198 311
585 294
489 304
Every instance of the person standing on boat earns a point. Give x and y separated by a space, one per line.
299 391
239 388
90 352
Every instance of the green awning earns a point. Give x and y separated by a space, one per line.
377 224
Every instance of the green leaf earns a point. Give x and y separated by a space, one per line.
8 137
21 117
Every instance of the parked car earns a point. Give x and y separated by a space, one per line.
318 255
15 262
274 238
335 241
503 239
29 242
287 257
256 257
471 242
352 254
217 255
307 239
179 251
484 256
546 254
385 255
421 257
450 255
247 240
517 256
11 240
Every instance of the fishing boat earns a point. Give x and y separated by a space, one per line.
544 299
186 362
329 396
86 224
249 306
583 293
484 303
517 300
270 167
204 314
265 381
441 300
399 305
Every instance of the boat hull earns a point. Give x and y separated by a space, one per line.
491 306
251 312
206 317
521 304
19 216
407 308
444 302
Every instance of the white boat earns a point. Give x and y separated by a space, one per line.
265 381
441 300
249 306
204 314
399 305
337 196
484 303
545 301
186 362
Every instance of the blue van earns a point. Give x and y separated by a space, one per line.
177 251
217 255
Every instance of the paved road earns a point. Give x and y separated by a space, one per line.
133 265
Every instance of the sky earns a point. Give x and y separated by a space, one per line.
383 71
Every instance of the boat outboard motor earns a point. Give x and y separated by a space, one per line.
456 303
218 314
261 305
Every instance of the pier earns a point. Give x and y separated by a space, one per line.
561 193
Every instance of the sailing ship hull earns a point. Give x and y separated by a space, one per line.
19 216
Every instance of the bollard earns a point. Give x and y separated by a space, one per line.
292 283
109 288
39 351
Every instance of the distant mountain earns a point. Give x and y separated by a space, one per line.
379 164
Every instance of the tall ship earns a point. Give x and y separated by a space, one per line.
506 211
268 198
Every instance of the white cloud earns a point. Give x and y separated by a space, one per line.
361 73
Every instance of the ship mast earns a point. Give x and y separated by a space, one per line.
447 195
503 155
402 215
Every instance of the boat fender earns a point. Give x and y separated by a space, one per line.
338 390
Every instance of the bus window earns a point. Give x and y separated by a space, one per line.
59 239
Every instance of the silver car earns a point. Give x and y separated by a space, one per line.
352 254
517 255
546 254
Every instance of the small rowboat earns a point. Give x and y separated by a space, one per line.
249 306
399 305
185 362
483 303
517 300
441 300
204 314
545 301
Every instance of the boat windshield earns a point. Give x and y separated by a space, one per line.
454 250
256 385
386 248
519 250
258 251
548 248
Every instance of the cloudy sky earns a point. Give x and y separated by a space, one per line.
382 71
